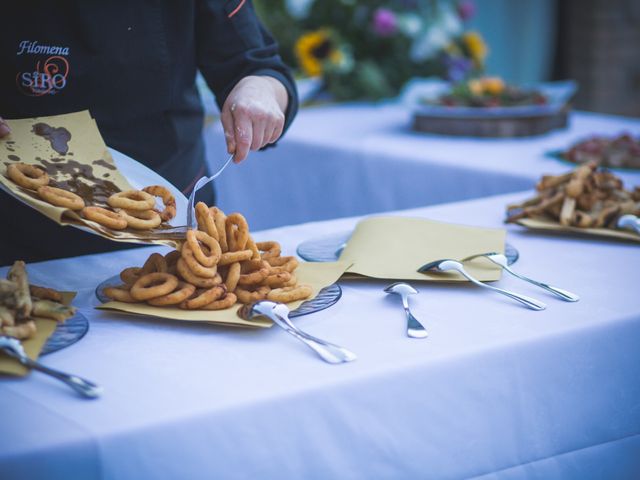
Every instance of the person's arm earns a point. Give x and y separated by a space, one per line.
253 88
4 128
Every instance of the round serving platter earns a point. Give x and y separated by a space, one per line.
325 298
328 248
66 334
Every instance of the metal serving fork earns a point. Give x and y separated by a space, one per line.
191 218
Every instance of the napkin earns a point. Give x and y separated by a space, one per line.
317 275
33 346
393 248
76 158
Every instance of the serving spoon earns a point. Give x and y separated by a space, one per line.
500 260
12 347
448 265
414 328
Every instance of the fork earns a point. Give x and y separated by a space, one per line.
191 220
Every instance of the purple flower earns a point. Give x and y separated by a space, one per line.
385 22
466 9
457 68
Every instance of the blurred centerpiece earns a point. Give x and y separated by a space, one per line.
369 50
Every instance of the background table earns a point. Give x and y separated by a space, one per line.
496 391
346 160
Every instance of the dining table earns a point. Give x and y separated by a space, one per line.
496 390
349 159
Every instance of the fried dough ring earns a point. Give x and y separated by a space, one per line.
204 298
141 219
269 249
237 237
251 245
119 294
290 294
204 216
106 218
233 275
153 285
192 278
183 291
255 275
195 236
155 263
132 200
130 275
246 296
193 264
219 219
288 264
232 257
227 301
168 200
61 198
27 176
277 280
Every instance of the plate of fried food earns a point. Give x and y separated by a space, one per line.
40 317
620 151
215 268
587 200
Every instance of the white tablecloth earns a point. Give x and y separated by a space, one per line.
496 391
347 160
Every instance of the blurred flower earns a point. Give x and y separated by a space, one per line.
475 87
385 22
313 49
409 24
299 8
474 43
493 85
466 9
457 68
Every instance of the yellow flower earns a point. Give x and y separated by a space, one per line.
475 45
493 85
312 49
475 87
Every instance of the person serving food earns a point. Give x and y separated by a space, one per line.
133 66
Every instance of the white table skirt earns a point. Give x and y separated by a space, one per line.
496 391
346 160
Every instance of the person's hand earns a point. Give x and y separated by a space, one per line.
4 128
253 114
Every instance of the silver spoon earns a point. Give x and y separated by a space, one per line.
501 261
191 218
279 314
447 265
12 347
629 222
414 327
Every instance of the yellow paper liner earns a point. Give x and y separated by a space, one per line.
393 248
87 169
551 226
317 275
33 346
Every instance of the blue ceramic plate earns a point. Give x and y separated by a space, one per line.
67 333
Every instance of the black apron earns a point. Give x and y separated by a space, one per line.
133 65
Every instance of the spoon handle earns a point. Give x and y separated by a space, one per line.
559 292
83 387
414 328
528 302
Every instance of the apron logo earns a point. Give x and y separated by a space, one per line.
49 76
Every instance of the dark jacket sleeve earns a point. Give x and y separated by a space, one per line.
232 43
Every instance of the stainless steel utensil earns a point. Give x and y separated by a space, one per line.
279 314
191 218
501 261
447 265
414 328
629 222
12 347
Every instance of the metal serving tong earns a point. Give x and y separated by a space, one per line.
501 261
279 314
12 347
191 218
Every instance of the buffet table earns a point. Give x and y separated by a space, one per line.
356 159
495 391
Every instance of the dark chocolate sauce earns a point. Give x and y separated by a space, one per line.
104 163
15 158
58 137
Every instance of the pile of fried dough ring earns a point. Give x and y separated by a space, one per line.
217 266
583 198
129 209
